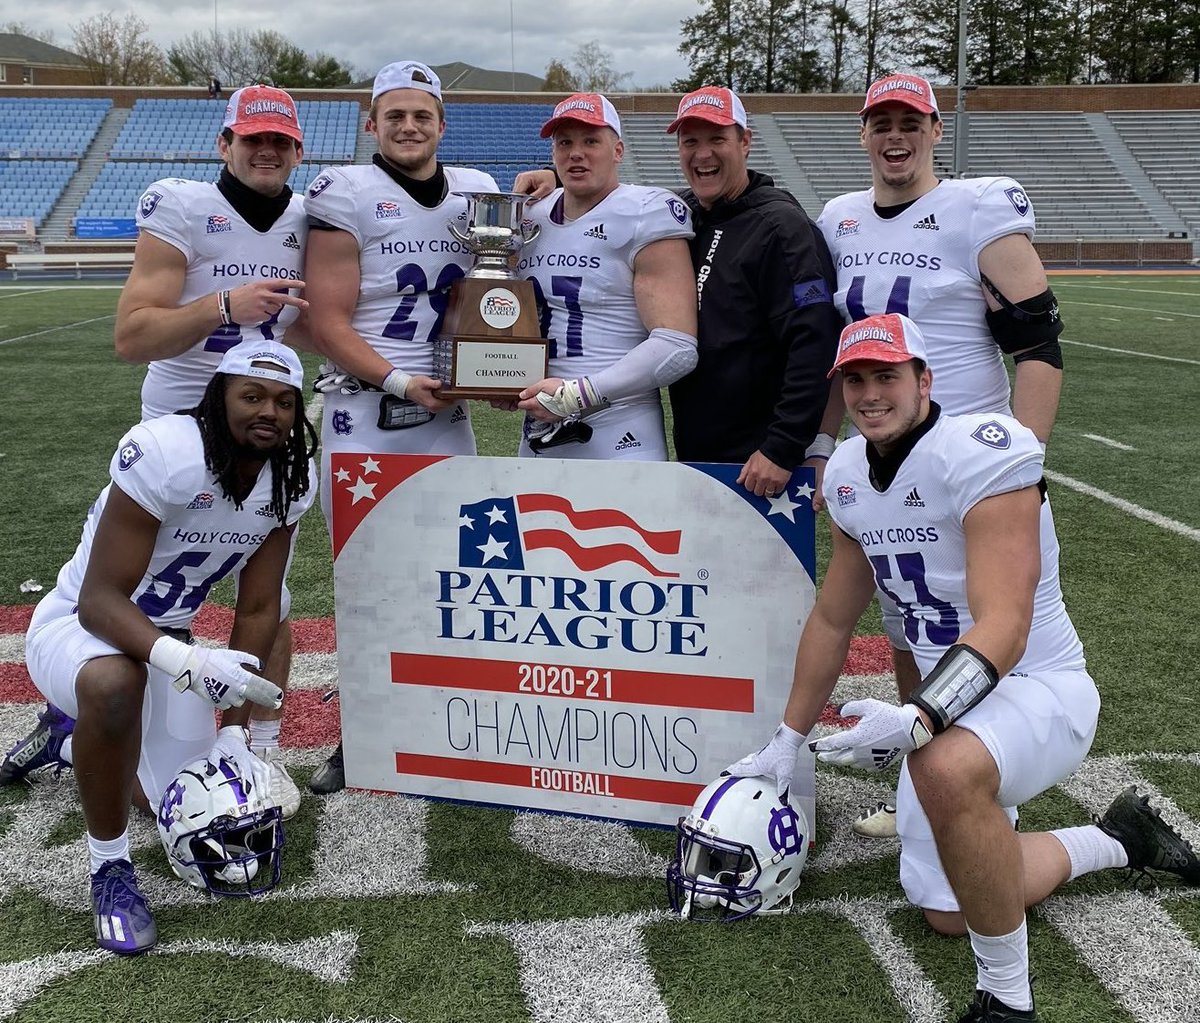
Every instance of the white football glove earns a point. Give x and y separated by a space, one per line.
330 379
214 675
776 760
231 745
883 734
573 398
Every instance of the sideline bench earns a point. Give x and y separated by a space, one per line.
76 261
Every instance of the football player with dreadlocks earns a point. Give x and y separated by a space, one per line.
194 496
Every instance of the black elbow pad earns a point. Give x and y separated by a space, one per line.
1030 323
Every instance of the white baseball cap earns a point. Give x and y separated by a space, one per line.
247 358
406 74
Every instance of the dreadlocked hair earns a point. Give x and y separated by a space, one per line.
289 464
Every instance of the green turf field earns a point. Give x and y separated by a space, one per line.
394 909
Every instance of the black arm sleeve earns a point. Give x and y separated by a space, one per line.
799 282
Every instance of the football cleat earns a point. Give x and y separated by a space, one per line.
284 793
987 1008
1149 841
123 921
330 777
878 821
40 748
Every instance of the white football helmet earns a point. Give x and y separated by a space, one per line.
214 836
739 851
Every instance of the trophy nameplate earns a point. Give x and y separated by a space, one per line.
491 344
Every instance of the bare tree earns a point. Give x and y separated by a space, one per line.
117 52
242 58
19 28
592 66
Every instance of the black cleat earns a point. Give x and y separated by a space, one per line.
1150 842
40 748
987 1008
330 777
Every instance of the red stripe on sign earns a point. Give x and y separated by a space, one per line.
619 685
550 779
665 541
589 559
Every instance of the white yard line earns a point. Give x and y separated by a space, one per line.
51 330
1130 308
1058 283
1109 441
1136 510
1120 351
11 293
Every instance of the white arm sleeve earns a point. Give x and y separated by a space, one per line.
664 357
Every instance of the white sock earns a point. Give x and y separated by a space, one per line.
102 850
264 735
1090 849
65 751
1002 966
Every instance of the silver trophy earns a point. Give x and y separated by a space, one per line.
489 346
495 232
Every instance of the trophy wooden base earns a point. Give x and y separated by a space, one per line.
489 347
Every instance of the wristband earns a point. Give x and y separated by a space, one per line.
170 656
396 382
225 307
821 447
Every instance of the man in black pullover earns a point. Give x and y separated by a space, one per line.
768 326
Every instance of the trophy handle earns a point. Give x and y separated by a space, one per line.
459 235
530 232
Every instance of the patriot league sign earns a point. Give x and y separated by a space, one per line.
597 638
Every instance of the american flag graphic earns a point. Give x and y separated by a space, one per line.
500 531
218 222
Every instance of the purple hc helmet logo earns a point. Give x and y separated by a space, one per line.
784 831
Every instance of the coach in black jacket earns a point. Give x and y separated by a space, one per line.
768 326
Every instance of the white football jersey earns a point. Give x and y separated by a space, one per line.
222 252
924 263
407 256
582 272
203 537
912 533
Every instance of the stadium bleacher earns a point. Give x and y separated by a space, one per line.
44 129
1076 167
499 138
30 188
1166 145
186 129
115 192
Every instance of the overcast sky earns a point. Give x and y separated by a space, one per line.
643 35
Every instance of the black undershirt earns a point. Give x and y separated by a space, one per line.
888 212
258 210
428 193
885 467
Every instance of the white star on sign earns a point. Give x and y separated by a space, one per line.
342 476
467 521
804 490
783 505
493 549
362 489
496 515
370 466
